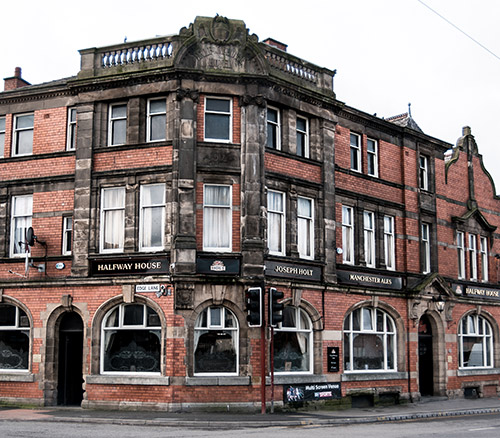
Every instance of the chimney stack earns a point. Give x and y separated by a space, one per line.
15 81
277 44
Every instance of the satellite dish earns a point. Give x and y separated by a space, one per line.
30 236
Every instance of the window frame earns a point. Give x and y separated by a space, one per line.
485 333
142 210
282 216
309 237
355 152
228 114
122 326
300 328
102 225
18 327
229 208
275 127
348 236
14 217
2 135
389 244
483 252
461 254
113 120
423 166
16 132
389 330
302 133
372 157
151 116
425 239
235 335
67 234
71 129
472 248
369 238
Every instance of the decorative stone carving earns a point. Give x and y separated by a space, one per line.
184 296
258 100
67 302
218 294
296 297
128 293
186 93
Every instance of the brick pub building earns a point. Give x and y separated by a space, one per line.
141 199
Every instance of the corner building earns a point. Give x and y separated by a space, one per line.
141 199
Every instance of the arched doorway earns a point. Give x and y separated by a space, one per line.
70 376
425 357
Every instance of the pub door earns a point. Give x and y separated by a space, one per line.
70 375
425 357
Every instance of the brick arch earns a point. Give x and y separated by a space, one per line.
103 310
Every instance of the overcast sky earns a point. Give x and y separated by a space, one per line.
387 53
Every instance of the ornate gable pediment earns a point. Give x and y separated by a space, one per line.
472 217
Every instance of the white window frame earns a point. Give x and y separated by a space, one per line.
305 241
303 133
3 121
17 131
355 152
21 216
71 130
18 326
483 249
206 231
114 120
473 257
388 330
142 222
347 235
67 234
275 128
461 254
477 327
372 157
369 237
122 326
425 230
303 325
153 115
228 114
282 221
424 172
104 191
389 243
235 331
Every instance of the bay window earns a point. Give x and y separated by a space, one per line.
218 119
152 217
217 218
156 120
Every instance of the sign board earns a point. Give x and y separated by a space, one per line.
476 291
218 265
332 357
147 288
311 392
293 270
370 280
129 266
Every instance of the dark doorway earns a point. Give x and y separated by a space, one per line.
70 377
425 357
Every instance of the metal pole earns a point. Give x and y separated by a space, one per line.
263 368
271 359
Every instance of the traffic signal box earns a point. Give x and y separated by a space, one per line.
275 308
253 306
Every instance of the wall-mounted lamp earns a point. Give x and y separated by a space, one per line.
439 302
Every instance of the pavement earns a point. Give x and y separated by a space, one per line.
427 408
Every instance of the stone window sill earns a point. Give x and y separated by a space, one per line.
218 381
127 380
358 377
16 377
478 372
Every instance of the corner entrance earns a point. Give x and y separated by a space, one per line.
425 357
70 376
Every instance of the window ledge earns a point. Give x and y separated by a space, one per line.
218 381
294 379
16 377
357 377
477 372
128 380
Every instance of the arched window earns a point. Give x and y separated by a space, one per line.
130 340
369 341
216 342
475 342
14 338
293 342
